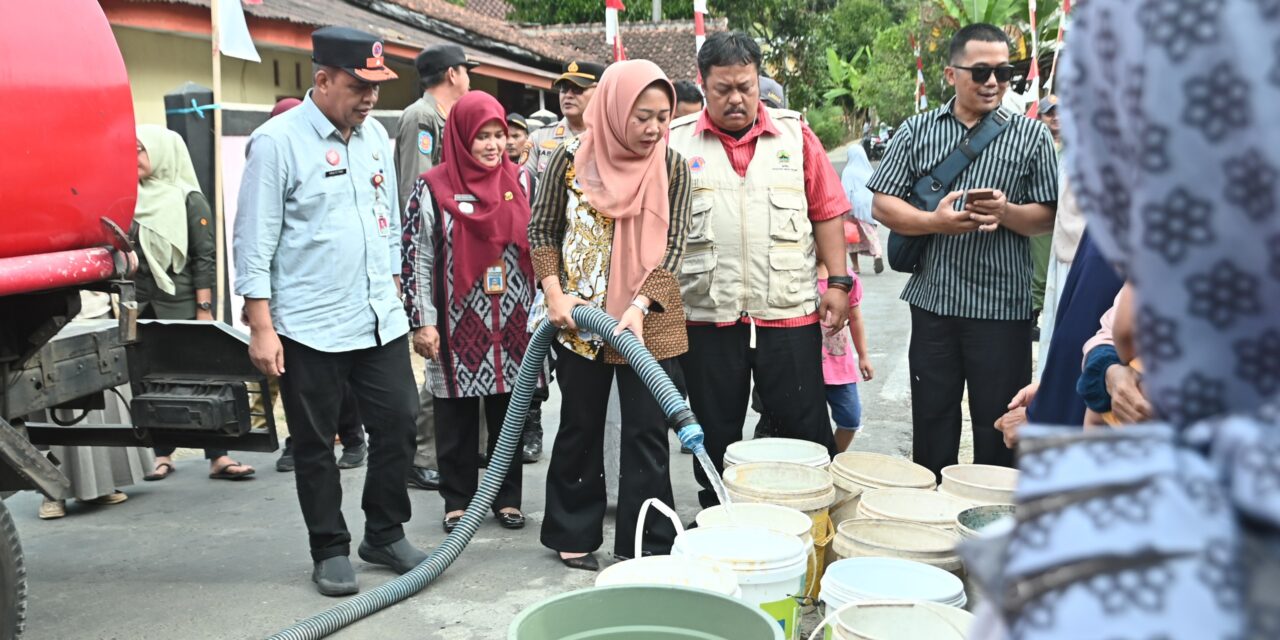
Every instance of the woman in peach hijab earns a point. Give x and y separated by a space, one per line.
608 230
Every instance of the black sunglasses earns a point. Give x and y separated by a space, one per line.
981 74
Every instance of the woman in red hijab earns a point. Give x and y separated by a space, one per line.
468 287
608 230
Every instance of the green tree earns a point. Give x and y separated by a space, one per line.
879 81
579 11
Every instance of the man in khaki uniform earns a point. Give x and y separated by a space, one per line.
576 86
443 70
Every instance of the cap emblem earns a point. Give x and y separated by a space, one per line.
573 67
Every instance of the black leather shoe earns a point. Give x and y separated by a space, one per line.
334 576
285 463
531 451
423 478
510 520
353 457
451 523
586 563
400 556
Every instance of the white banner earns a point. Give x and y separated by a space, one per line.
234 37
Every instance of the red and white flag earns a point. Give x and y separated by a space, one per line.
611 34
1033 76
699 28
922 97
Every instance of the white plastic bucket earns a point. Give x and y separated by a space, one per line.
888 619
770 566
857 471
979 483
671 571
802 452
803 488
897 539
912 505
872 579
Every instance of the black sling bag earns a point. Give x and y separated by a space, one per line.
907 252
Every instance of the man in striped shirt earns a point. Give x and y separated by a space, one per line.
971 296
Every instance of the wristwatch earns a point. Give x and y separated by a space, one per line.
840 282
204 306
639 304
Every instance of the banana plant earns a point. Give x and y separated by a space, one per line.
1013 15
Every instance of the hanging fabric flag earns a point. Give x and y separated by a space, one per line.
922 97
1062 30
1033 76
611 33
233 32
699 28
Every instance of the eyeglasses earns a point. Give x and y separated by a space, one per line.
980 75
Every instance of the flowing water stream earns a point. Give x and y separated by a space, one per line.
709 469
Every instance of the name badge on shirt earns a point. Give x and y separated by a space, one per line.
383 218
495 279
463 197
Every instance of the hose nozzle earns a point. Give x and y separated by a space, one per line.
691 437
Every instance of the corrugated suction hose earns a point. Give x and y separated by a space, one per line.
594 320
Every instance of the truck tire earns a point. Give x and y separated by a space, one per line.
13 579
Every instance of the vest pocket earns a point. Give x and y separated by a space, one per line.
700 217
787 220
696 274
790 280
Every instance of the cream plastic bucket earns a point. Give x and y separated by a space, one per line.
770 566
912 505
803 488
897 539
777 450
971 522
671 571
857 471
979 483
887 619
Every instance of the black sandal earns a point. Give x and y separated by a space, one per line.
156 475
586 563
510 520
451 523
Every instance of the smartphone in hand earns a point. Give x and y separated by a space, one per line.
975 195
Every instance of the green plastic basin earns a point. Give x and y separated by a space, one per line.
643 613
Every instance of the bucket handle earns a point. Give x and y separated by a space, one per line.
644 512
835 614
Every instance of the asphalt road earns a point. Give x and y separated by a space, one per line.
194 558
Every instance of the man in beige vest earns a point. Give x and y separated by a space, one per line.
444 72
767 205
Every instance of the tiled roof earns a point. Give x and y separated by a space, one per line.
473 28
415 22
669 43
499 9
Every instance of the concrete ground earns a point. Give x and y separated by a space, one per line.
194 558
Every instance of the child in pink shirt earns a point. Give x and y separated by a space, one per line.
844 364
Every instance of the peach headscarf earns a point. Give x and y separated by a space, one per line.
627 185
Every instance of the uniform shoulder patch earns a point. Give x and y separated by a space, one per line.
560 131
425 143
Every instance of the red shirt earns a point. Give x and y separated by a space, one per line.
822 188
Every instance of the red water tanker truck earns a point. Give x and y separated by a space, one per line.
68 182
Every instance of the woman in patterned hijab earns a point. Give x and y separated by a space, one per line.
1167 529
